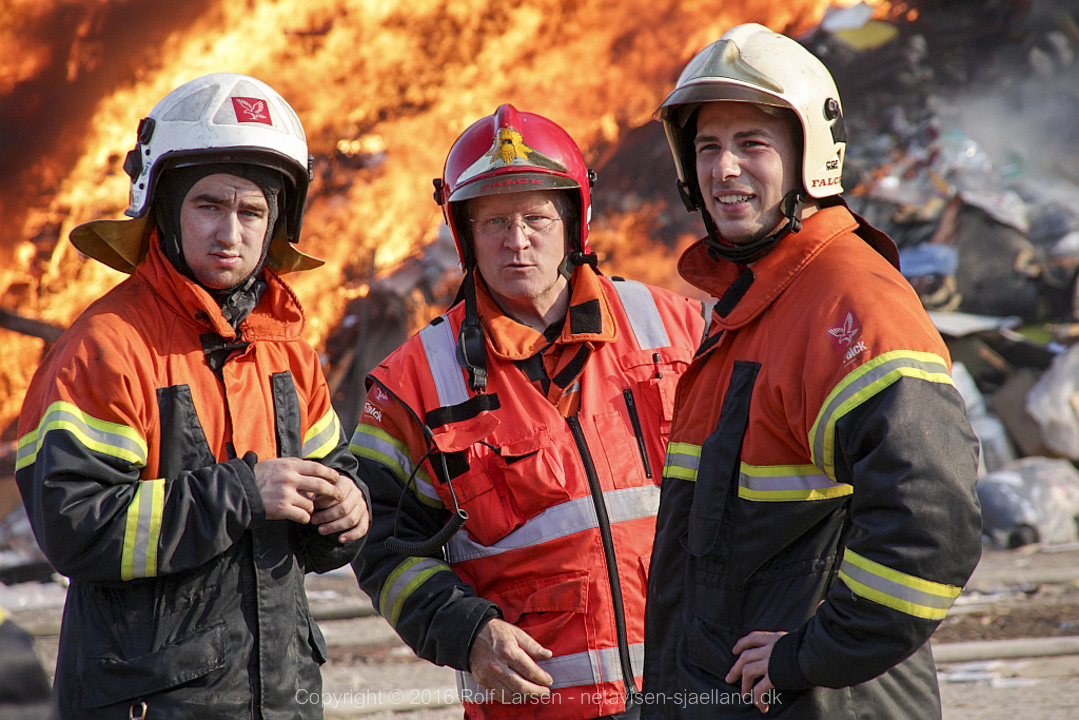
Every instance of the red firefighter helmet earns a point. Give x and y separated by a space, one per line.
508 152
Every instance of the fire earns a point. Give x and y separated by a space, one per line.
383 89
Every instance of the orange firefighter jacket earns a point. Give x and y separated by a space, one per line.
819 482
561 508
135 463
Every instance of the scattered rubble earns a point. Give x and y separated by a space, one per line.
963 147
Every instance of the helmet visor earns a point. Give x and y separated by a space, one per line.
680 103
502 183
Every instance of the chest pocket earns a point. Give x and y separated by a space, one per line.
717 476
507 484
187 448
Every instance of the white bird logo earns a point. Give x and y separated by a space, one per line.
252 109
847 332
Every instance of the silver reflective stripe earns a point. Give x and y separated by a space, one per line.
402 582
780 483
376 444
863 383
322 437
896 589
99 436
441 348
590 667
683 461
560 521
644 316
142 530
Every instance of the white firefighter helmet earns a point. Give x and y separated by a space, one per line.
753 64
217 118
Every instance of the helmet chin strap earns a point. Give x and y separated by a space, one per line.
574 258
791 207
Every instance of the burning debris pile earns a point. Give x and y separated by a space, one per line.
963 148
959 112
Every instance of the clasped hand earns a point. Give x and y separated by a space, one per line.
305 491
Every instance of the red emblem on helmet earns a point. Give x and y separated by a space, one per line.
251 110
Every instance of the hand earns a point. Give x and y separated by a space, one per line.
503 660
754 651
290 487
347 515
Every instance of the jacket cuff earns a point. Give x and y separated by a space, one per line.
783 668
481 613
245 470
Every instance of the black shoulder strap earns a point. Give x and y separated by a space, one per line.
470 339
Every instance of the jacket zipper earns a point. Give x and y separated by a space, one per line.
637 430
608 553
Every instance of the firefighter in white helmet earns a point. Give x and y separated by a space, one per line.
178 455
818 514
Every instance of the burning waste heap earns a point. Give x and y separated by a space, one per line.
963 148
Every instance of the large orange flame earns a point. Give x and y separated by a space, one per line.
383 89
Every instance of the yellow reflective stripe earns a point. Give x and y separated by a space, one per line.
377 445
897 590
402 582
683 460
143 530
3 616
860 385
322 437
103 437
783 483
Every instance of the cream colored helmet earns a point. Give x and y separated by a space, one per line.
750 63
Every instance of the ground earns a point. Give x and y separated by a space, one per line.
1028 596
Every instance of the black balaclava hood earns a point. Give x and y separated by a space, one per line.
240 299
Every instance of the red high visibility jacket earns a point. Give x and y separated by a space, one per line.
561 509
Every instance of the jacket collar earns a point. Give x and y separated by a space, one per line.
772 273
588 319
278 316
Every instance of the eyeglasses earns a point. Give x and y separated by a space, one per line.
500 225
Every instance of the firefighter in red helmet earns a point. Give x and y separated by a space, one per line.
535 413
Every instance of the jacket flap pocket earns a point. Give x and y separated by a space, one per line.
561 593
526 445
462 435
109 680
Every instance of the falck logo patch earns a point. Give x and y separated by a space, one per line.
251 110
508 149
846 337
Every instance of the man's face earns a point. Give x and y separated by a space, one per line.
519 241
746 163
223 224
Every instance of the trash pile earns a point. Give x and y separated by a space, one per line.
963 147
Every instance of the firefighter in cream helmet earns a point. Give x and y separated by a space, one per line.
818 514
179 457
751 64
